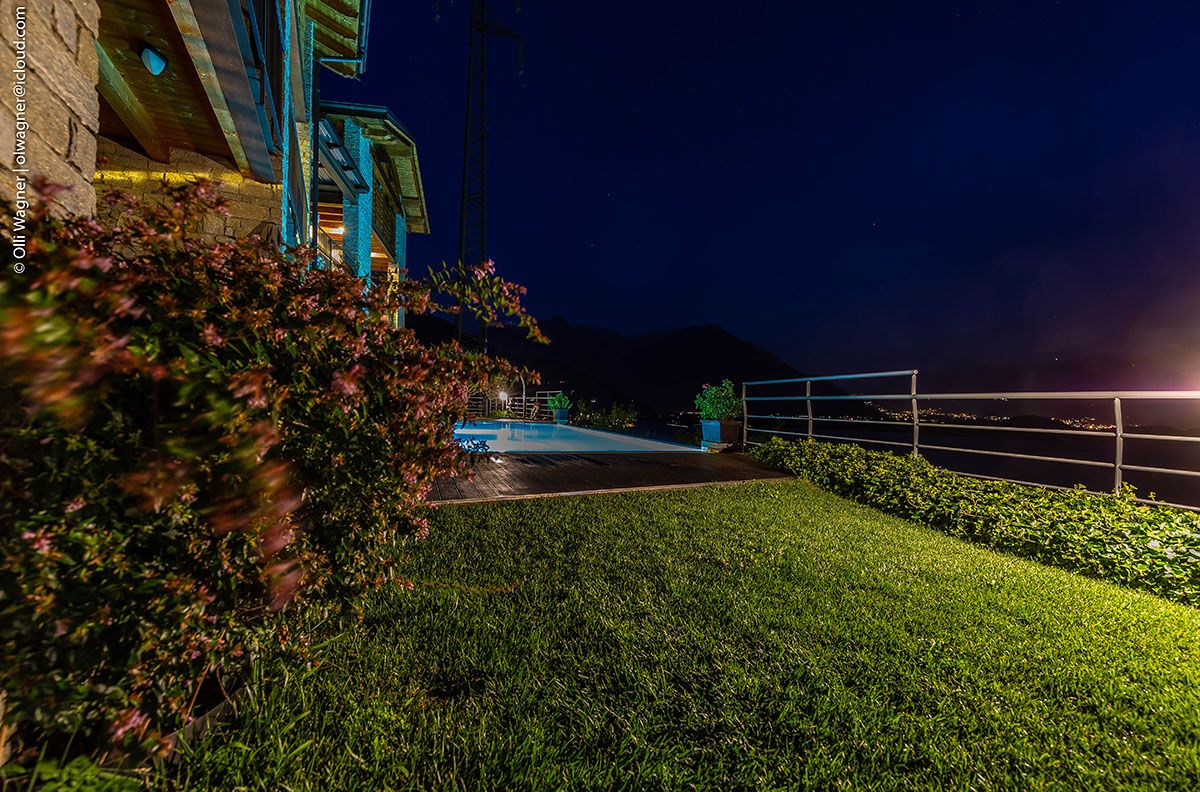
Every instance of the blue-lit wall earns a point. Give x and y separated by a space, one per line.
356 209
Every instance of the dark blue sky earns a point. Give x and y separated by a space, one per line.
850 185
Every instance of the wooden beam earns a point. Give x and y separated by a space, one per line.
299 92
336 46
346 8
340 24
120 97
216 58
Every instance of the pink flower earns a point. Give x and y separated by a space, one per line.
41 542
346 382
132 720
211 336
75 505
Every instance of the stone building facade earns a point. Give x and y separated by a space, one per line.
127 94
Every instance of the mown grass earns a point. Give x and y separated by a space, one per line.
764 635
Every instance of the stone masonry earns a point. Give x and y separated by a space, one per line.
250 203
54 125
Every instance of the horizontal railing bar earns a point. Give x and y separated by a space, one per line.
863 421
777 431
1019 395
862 440
830 420
1016 481
869 375
1172 504
1013 455
1064 395
1180 438
1170 471
1077 432
828 437
1146 501
855 397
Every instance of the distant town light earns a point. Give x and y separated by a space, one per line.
153 60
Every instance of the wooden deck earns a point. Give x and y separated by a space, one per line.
541 475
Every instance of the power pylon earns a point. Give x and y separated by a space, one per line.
472 218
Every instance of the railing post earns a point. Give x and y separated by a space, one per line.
745 419
808 401
915 416
1119 459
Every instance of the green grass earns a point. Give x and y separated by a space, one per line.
756 636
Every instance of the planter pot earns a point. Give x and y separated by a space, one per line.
560 416
721 431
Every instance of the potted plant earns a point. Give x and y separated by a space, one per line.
720 414
560 404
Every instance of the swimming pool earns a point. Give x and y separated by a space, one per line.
509 437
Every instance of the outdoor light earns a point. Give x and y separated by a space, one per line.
153 60
503 396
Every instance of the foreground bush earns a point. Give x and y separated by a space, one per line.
1112 537
194 436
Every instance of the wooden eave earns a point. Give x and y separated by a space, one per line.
336 31
170 110
392 141
201 102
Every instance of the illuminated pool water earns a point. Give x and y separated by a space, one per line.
509 437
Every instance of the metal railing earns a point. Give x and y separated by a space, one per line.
913 421
531 407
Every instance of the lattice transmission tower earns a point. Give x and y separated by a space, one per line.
472 217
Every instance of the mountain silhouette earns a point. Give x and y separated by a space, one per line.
659 373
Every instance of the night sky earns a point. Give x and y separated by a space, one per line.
851 185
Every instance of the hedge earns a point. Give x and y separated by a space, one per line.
1107 536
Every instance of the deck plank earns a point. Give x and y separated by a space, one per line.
533 475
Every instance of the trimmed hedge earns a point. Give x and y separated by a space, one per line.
1106 536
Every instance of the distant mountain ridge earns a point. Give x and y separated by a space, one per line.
659 372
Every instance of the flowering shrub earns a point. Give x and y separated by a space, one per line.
719 402
616 418
1109 536
194 436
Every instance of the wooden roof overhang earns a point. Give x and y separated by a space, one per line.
340 33
394 152
210 98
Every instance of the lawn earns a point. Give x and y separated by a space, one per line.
753 636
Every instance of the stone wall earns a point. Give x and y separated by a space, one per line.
60 105
250 202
